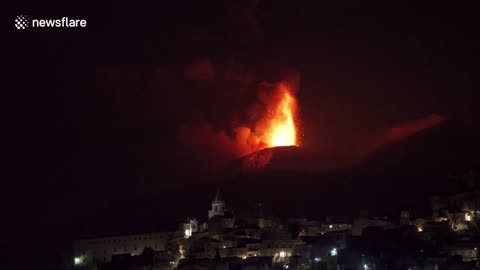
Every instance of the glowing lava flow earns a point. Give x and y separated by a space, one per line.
282 130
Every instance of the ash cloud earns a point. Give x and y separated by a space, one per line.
225 116
214 102
201 70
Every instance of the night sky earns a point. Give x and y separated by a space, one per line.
94 125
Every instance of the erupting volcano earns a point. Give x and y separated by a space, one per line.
269 120
282 130
277 128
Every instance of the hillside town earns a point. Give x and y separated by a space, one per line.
447 236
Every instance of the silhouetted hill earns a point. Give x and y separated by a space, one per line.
393 176
452 144
425 159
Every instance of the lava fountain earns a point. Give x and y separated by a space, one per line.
278 127
282 116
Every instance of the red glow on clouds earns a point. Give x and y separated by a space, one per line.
407 129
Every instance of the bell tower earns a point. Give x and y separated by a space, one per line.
218 206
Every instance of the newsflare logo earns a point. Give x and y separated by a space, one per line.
22 22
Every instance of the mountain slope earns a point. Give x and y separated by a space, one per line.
395 175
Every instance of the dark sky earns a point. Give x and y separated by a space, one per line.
97 111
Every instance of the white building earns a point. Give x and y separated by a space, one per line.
218 206
190 227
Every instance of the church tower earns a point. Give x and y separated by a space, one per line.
218 206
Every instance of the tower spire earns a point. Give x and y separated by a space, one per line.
218 196
218 206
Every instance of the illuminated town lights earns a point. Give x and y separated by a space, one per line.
188 233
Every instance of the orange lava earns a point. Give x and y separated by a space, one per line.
282 129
